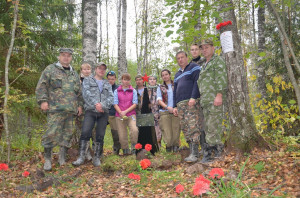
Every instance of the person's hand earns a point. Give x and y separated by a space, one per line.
175 112
192 102
44 106
122 114
170 109
218 100
99 107
79 111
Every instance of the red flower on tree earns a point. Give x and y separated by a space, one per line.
138 146
200 187
223 24
203 179
25 174
216 172
3 166
148 147
134 176
145 163
179 188
145 78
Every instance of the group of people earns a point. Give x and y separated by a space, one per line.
193 103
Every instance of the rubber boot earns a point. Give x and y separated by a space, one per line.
202 142
117 145
169 149
207 154
62 155
98 153
47 156
82 153
218 150
194 149
175 149
132 149
126 152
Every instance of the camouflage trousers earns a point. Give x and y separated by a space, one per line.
191 120
213 116
59 131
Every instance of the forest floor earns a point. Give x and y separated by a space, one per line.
258 174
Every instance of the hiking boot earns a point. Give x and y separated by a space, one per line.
126 151
82 153
207 154
62 155
194 151
218 150
202 142
47 156
169 149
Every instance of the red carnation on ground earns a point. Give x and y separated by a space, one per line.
138 146
179 188
148 147
3 166
216 172
145 163
25 174
200 187
134 176
203 179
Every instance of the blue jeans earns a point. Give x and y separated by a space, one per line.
90 119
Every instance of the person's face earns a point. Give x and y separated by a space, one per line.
100 71
65 58
139 82
152 81
182 60
207 50
111 79
86 71
195 51
125 82
165 76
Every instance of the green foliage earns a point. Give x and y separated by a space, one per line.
259 167
277 113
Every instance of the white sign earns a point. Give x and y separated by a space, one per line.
226 42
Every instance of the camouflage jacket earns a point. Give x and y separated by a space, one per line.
212 80
92 96
60 88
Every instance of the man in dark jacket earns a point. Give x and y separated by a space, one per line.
187 104
111 77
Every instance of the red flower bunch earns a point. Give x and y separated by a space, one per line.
138 146
216 172
201 186
3 166
148 147
201 178
134 176
145 163
25 174
225 23
179 188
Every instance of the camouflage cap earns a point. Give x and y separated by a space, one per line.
111 73
68 50
206 42
100 64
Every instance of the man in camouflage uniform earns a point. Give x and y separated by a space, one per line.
187 105
212 85
58 92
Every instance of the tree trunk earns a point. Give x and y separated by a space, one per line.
6 94
119 37
284 35
243 135
123 61
260 71
107 39
89 51
101 38
197 26
145 60
139 66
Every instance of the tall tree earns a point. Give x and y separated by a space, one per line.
89 40
243 134
260 69
145 59
5 106
122 61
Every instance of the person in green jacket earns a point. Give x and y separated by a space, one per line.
58 93
212 85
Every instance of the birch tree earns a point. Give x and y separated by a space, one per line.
243 134
6 94
89 35
122 61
